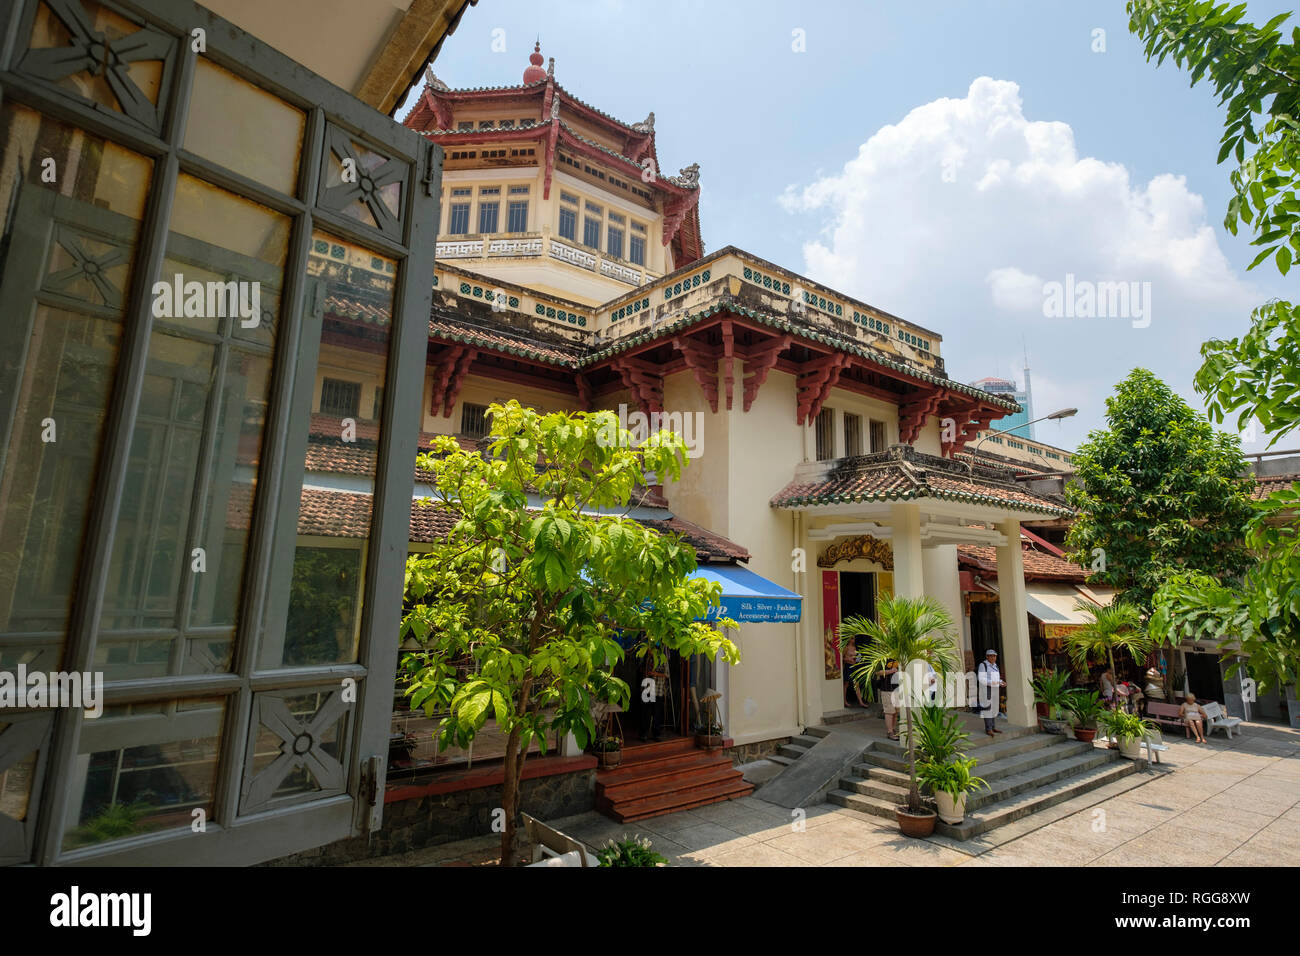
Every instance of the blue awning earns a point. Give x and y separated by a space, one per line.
749 597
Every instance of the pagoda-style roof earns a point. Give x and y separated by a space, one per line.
630 151
903 474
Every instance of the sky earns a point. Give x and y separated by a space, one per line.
947 161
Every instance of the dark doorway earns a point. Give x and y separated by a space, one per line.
857 599
1204 679
985 629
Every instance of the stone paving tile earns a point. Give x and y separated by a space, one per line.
901 849
710 839
816 847
755 854
1255 852
1125 813
1204 849
1240 825
1056 848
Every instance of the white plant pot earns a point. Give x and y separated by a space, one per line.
1132 749
950 811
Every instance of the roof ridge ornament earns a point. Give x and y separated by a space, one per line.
689 178
555 107
431 80
534 72
647 125
550 67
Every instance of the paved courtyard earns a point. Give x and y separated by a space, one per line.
1227 802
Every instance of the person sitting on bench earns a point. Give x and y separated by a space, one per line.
1194 717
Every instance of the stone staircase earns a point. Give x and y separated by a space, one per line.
787 754
665 777
1026 771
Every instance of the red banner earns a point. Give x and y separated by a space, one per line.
831 623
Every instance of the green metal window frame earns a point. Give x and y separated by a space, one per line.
332 116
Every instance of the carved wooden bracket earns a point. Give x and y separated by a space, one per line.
584 391
453 364
816 379
759 360
729 358
644 381
915 412
703 361
863 546
675 211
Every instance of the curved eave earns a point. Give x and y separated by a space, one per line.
809 335
813 501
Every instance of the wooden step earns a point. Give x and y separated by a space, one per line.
676 801
642 769
634 751
668 780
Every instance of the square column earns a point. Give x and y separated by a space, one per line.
1016 665
943 583
909 571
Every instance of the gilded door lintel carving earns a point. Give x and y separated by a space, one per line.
862 546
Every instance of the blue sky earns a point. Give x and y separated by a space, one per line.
879 162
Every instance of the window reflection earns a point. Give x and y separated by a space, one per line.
334 516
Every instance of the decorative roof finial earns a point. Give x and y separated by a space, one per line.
535 72
647 125
550 67
430 79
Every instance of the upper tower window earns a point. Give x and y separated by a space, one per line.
517 209
489 209
614 235
569 216
486 124
465 126
458 212
636 244
591 222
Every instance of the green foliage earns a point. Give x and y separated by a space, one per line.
115 821
1117 626
1052 688
907 630
1159 491
952 777
632 852
520 608
1256 74
1121 725
939 733
1085 707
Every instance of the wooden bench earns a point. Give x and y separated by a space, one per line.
1219 720
1164 714
553 848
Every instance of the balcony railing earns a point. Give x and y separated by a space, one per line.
538 245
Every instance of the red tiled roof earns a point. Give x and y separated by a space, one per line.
504 339
903 473
1039 565
1265 485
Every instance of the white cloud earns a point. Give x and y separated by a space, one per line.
956 216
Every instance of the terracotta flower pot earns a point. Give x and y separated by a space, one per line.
708 741
915 824
609 759
950 811
1085 734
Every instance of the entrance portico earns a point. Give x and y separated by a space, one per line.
900 516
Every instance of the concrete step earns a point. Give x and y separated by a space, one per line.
874 806
1010 786
1014 741
875 788
791 750
818 732
994 815
777 758
805 740
844 716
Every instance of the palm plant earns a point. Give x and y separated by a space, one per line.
1116 626
939 732
952 777
1052 688
908 630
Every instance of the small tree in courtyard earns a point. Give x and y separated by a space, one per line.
520 608
908 630
1158 492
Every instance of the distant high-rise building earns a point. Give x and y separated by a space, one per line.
1017 424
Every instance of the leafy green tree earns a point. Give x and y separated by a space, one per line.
519 610
1256 74
907 630
1159 491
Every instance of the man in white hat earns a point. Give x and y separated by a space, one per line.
990 679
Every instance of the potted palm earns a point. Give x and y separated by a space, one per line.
1052 689
1126 729
908 630
950 782
1084 707
1115 626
